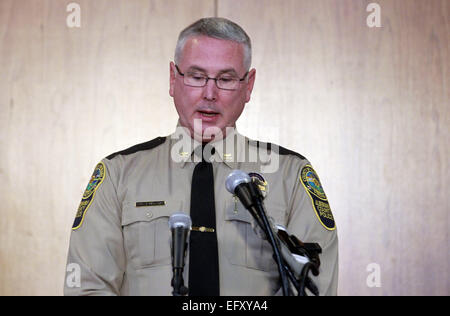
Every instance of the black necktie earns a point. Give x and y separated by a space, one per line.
203 253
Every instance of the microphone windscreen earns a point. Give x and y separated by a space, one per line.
180 219
235 178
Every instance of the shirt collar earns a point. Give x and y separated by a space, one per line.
228 150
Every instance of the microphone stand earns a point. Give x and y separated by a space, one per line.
178 283
257 195
310 250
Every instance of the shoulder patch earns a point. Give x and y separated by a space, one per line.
97 178
311 182
139 147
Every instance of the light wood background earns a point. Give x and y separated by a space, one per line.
368 106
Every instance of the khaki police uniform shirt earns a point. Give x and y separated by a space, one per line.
120 241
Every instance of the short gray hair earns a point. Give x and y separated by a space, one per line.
219 28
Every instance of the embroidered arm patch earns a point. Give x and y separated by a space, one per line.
311 182
97 178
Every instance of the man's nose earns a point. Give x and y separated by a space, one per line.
210 90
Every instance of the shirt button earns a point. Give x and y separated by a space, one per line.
149 215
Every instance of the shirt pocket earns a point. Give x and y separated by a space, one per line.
146 233
243 246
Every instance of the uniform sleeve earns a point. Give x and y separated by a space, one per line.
311 221
96 258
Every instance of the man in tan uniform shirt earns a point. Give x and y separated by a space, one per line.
120 241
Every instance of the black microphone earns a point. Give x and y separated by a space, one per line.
236 183
180 224
239 183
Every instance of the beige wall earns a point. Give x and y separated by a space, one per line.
368 106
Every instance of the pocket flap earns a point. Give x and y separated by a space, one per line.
131 213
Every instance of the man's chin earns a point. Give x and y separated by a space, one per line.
207 132
208 135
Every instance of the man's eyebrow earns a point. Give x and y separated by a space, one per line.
196 68
227 70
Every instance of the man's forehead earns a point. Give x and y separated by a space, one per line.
204 53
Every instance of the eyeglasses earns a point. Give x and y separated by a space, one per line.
198 79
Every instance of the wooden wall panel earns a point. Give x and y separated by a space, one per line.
69 97
370 108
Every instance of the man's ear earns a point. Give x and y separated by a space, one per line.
251 81
172 78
